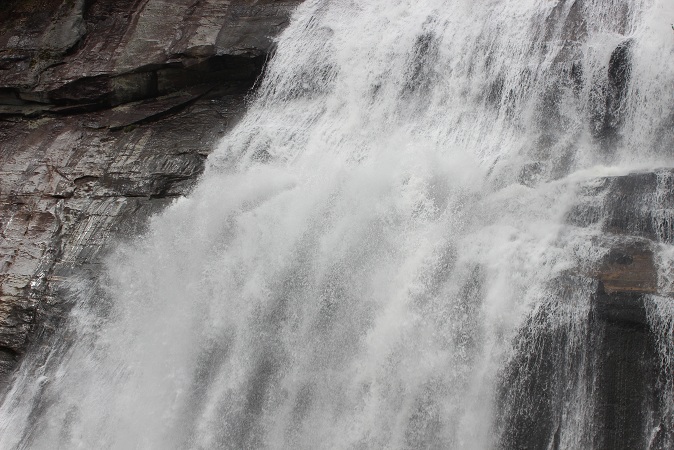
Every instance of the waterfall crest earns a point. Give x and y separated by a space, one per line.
376 251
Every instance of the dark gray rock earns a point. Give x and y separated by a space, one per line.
107 112
590 349
609 95
625 370
603 366
638 204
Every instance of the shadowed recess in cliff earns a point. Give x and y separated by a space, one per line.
381 253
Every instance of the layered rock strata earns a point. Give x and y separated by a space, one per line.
107 112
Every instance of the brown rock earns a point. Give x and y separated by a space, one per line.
629 267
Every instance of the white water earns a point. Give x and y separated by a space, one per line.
363 248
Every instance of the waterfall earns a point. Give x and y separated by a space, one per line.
380 255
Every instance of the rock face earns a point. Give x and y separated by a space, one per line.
97 54
599 359
107 112
638 216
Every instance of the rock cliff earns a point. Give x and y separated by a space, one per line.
619 353
108 110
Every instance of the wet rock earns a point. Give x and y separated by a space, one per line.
629 267
586 379
538 382
100 54
107 113
625 370
609 95
589 354
637 204
635 211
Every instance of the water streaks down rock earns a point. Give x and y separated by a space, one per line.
107 112
434 227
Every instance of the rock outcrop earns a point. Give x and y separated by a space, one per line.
107 112
638 216
598 356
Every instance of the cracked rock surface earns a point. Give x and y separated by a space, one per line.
107 112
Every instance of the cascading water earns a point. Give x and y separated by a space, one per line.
378 255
